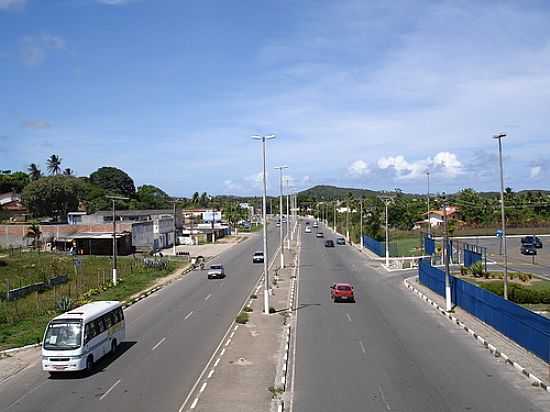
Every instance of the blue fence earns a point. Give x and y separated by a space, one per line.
429 245
471 257
526 328
374 246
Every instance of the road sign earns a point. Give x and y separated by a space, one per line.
499 233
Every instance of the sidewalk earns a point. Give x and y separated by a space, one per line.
497 343
209 249
247 375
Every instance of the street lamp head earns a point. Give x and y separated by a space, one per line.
281 167
499 136
263 138
117 197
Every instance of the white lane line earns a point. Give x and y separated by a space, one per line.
228 342
232 334
158 344
25 395
348 316
388 407
188 315
210 374
362 346
222 352
203 387
109 390
236 327
217 362
194 403
208 297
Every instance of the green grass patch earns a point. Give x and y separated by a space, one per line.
242 318
22 321
523 294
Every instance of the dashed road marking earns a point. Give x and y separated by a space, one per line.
203 387
210 374
158 344
362 347
194 403
188 315
208 297
109 390
348 316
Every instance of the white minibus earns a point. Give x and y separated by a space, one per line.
77 339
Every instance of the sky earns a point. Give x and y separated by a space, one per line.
369 94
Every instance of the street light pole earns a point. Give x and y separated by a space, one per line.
175 229
387 200
334 216
429 221
502 215
347 221
281 241
266 258
114 199
448 303
287 216
361 224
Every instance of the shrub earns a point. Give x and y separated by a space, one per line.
242 318
247 309
253 296
272 309
477 269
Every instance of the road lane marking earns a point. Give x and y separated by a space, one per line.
388 407
362 346
222 352
194 403
217 361
158 344
188 315
203 387
109 390
25 395
211 373
208 297
228 342
348 316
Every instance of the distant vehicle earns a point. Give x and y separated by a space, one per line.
307 223
258 257
320 234
308 229
342 292
216 272
329 243
77 339
278 224
534 240
528 249
340 241
315 224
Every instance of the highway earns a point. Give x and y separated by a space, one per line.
171 336
389 351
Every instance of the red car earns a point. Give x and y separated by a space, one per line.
342 292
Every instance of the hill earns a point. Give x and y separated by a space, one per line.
325 192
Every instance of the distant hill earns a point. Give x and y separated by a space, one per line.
326 192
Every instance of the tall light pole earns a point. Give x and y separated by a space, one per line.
502 215
429 221
263 139
347 221
281 241
387 200
361 224
448 304
287 215
335 216
114 199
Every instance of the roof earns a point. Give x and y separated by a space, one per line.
149 212
105 235
90 310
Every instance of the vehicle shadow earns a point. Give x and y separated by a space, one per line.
100 366
304 306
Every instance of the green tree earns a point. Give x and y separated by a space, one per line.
203 202
151 197
195 199
113 180
34 233
34 171
13 182
54 164
53 195
68 172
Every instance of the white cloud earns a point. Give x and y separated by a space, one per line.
444 163
34 49
12 4
535 171
358 168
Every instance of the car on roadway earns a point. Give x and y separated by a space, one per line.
340 241
216 272
278 224
342 292
258 257
534 240
528 249
315 224
320 235
308 229
329 243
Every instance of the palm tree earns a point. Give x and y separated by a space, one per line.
195 199
54 164
33 232
34 171
68 172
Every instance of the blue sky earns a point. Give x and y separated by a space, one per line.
360 93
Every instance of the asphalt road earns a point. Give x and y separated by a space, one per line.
170 337
389 351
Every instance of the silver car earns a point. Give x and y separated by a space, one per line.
216 272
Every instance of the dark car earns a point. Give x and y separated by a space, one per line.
528 249
320 234
342 292
258 257
329 243
340 241
533 240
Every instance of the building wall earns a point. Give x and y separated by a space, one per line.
143 235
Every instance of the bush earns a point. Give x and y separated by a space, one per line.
247 309
253 296
477 269
519 294
242 318
272 309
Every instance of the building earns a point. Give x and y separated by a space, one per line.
99 244
12 207
436 218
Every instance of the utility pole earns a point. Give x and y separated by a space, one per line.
335 216
347 221
502 215
281 241
448 303
175 229
287 216
114 269
361 224
266 257
429 220
387 200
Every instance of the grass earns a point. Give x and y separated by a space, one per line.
242 318
253 228
22 321
409 246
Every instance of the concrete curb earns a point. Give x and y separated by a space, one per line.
125 305
535 381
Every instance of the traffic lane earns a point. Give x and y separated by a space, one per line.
144 332
542 259
411 362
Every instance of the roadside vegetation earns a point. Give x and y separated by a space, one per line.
22 321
